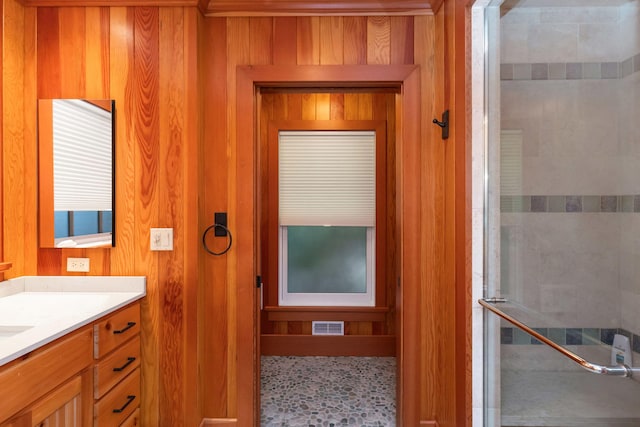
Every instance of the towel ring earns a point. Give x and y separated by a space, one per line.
204 239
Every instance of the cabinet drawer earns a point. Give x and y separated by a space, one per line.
116 329
38 372
116 366
114 408
133 420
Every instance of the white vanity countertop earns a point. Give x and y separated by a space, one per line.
36 310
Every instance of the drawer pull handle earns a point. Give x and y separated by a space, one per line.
123 330
130 360
130 399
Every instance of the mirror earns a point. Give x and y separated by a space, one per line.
76 173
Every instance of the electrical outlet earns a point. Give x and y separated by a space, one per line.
78 265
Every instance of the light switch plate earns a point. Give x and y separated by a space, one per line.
161 239
78 265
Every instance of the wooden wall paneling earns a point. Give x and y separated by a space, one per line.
447 357
336 106
308 38
241 258
13 137
170 195
428 401
445 99
49 86
214 281
309 106
30 88
243 302
261 36
293 103
121 82
261 40
2 191
351 105
438 286
461 88
401 39
355 40
193 137
72 49
331 40
200 256
378 40
285 31
48 52
146 104
323 106
365 106
97 53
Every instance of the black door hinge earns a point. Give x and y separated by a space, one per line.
258 281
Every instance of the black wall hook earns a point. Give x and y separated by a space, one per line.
444 124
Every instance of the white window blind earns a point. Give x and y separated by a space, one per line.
327 178
82 156
511 163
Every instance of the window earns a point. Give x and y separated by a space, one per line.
327 218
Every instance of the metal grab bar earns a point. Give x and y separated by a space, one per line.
618 370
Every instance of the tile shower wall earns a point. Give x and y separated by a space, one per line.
570 244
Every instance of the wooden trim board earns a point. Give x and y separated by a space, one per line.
218 422
339 345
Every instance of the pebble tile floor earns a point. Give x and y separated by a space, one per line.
328 391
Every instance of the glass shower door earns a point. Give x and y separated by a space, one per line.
563 212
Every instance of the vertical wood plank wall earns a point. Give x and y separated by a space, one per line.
172 73
145 59
334 104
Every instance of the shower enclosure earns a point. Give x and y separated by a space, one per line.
562 230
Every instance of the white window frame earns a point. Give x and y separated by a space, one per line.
366 299
342 299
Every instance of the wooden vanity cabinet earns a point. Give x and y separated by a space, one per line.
117 368
88 377
50 386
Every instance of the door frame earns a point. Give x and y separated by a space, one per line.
249 79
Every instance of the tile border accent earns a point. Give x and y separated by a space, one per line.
628 203
571 70
568 336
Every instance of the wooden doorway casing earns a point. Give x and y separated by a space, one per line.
250 78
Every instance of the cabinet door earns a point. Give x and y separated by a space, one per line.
61 408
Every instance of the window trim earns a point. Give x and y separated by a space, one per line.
269 184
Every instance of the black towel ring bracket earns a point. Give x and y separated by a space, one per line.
217 227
